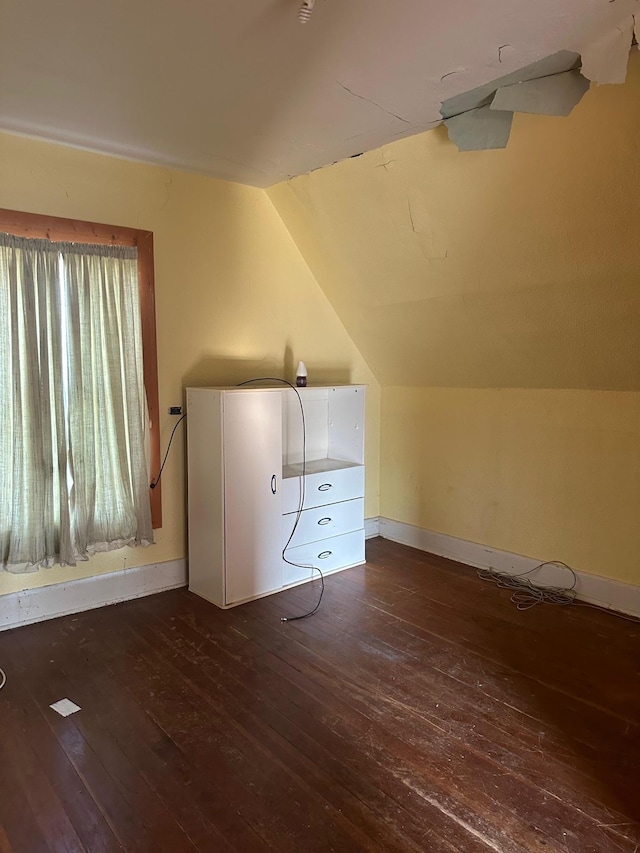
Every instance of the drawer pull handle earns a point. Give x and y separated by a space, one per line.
274 484
324 521
324 554
325 487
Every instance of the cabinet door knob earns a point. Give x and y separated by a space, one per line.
324 487
324 554
324 521
274 484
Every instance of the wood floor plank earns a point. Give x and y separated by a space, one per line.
627 757
473 675
532 655
448 761
21 719
155 671
357 799
457 714
19 825
113 781
463 661
406 772
130 780
342 746
257 758
19 758
5 846
418 710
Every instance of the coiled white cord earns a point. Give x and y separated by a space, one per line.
527 594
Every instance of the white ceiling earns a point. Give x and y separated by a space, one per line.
238 89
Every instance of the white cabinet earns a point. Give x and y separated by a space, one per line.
252 449
249 485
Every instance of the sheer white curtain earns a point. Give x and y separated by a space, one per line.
73 472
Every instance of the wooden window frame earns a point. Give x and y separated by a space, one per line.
60 230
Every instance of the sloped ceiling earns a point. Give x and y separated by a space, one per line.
241 90
511 268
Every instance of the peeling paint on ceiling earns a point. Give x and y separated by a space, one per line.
513 268
551 86
241 91
481 118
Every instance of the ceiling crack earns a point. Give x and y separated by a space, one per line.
369 101
455 71
411 217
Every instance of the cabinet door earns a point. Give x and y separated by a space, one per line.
253 503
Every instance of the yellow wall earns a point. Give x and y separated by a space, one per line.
551 474
234 299
487 269
458 274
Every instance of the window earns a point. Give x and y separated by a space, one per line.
77 336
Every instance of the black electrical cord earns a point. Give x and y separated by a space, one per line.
155 482
302 496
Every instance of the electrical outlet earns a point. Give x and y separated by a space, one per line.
175 410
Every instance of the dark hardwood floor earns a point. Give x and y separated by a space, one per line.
418 710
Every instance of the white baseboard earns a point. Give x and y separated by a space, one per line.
371 527
604 592
48 602
60 599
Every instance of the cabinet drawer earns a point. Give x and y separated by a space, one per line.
331 554
323 521
323 488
